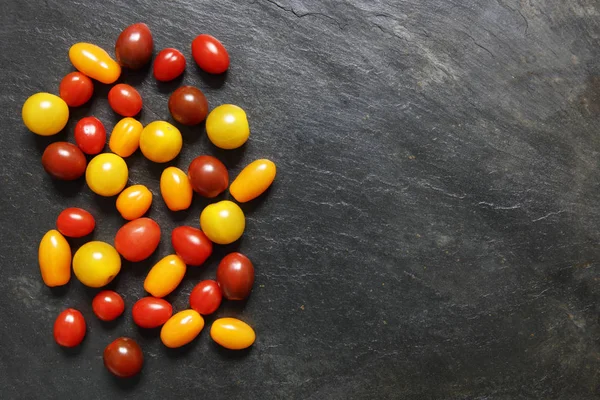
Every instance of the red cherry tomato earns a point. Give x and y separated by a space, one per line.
63 160
191 244
210 54
168 65
90 135
235 275
76 89
69 328
206 297
123 357
108 305
150 312
125 100
75 222
208 176
137 240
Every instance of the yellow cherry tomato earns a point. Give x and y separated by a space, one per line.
227 127
232 333
165 276
223 222
176 189
54 256
160 141
45 114
107 174
125 137
253 180
134 201
94 62
96 264
181 328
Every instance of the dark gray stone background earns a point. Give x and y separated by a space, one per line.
432 232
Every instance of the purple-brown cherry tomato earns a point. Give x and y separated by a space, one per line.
137 240
188 105
134 46
90 135
125 100
63 160
76 89
151 312
75 222
168 65
123 357
210 54
206 297
208 176
235 275
191 244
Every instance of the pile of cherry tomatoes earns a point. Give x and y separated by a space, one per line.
96 263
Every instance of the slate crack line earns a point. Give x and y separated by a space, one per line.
480 46
299 15
548 215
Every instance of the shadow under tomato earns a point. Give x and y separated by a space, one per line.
215 81
190 133
183 350
169 86
141 268
76 243
233 307
68 188
125 384
60 291
231 354
41 142
106 204
135 77
111 325
70 352
231 158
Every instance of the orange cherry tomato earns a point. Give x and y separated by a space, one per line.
253 181
54 256
76 89
137 240
125 137
176 189
75 222
94 62
134 202
125 100
165 276
181 328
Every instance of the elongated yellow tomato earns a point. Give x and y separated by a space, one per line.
134 201
45 114
107 174
160 141
165 276
125 137
94 62
227 126
176 189
181 328
54 256
96 264
223 222
232 333
253 180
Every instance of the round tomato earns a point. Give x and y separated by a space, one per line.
76 89
191 244
208 176
75 222
210 54
108 305
206 297
69 328
137 240
168 65
90 135
150 312
134 46
235 275
125 100
188 105
63 160
123 357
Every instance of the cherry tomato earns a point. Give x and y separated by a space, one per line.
165 276
175 189
96 264
125 137
227 127
206 297
90 135
75 222
134 201
137 240
108 305
64 161
191 245
150 312
69 328
208 176
188 105
235 275
106 174
160 141
125 100
134 46
168 65
94 62
232 333
181 328
45 114
54 257
223 222
253 181
123 357
76 89
210 54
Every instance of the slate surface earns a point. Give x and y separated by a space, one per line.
433 229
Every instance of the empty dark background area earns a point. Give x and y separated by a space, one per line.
432 232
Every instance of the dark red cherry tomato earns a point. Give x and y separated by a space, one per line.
137 240
75 222
210 54
125 100
235 275
208 176
206 297
168 65
108 305
151 312
69 328
76 89
191 244
188 105
134 46
90 135
123 357
64 161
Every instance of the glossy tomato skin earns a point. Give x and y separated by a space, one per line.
69 328
137 240
76 89
108 305
151 312
125 100
63 160
123 357
206 297
188 105
210 54
134 46
168 65
90 135
235 275
75 222
191 244
208 176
